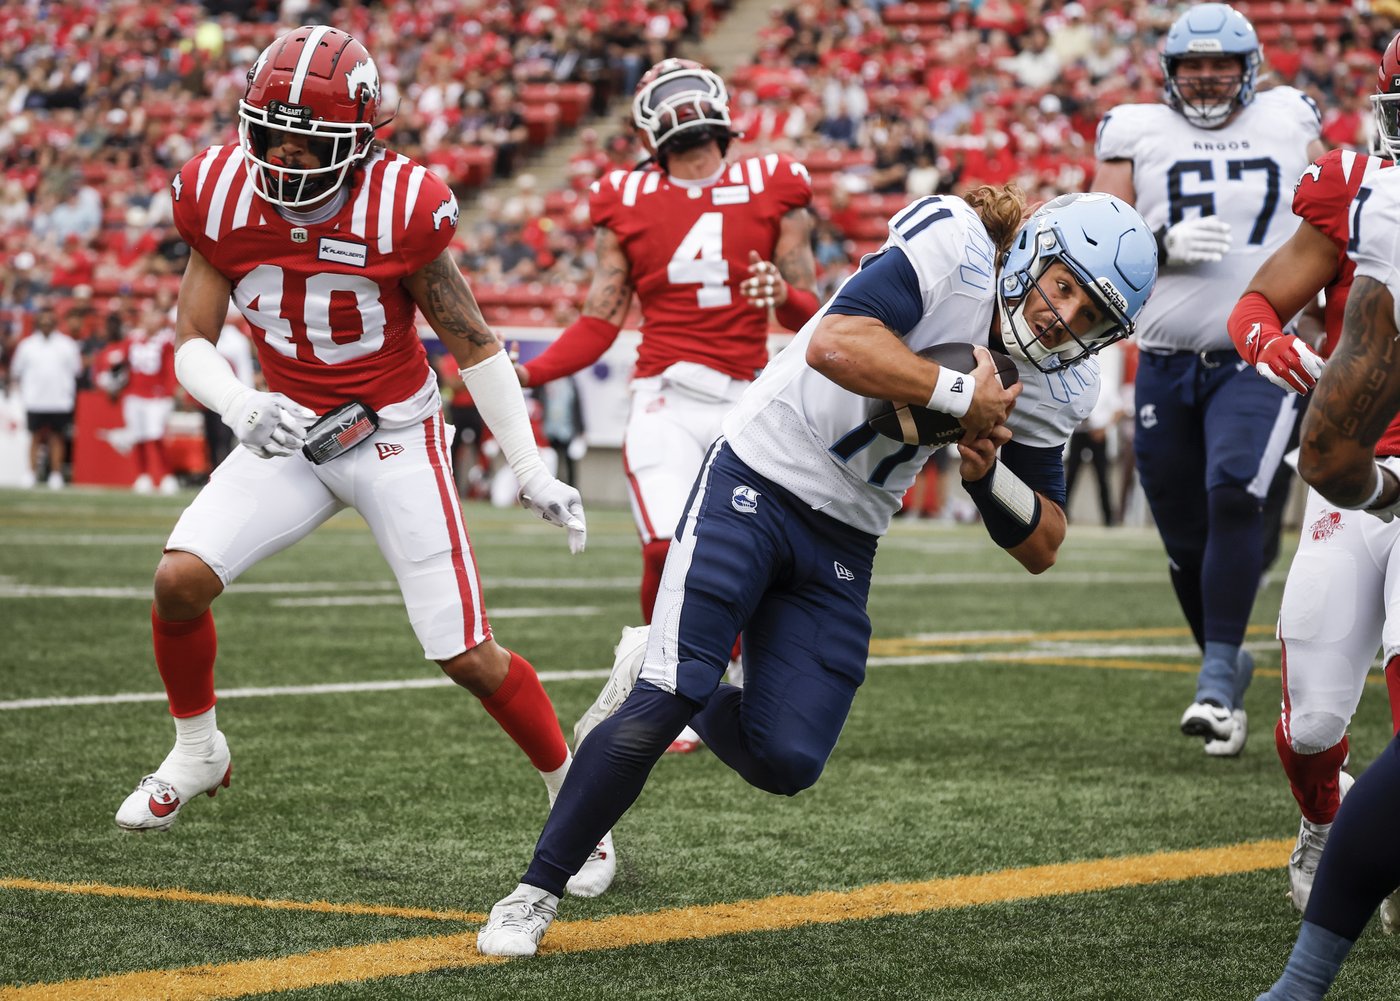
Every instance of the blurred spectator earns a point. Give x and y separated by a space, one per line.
46 367
1036 65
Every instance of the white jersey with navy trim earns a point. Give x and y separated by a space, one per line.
1375 232
801 430
1242 173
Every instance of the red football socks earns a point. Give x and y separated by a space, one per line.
653 562
185 658
1313 777
524 711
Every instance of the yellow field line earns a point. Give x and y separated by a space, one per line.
421 955
233 900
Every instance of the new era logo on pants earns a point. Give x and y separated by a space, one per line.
843 574
387 449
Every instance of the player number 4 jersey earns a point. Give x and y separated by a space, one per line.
1238 173
331 318
688 249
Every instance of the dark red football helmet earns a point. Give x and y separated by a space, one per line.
319 83
679 104
1386 101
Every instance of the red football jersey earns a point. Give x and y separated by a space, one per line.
688 249
331 318
151 365
1323 198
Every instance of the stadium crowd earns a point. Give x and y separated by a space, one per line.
882 101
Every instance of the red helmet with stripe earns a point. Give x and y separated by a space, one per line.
315 88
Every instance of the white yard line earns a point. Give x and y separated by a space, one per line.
1037 652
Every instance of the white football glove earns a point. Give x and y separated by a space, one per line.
1290 364
1198 240
269 424
557 503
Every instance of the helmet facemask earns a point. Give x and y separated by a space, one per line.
337 147
682 109
1056 345
1386 108
1208 101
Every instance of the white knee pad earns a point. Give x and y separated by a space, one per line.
1315 732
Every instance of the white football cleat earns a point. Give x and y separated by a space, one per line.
1234 744
517 922
143 485
1390 913
597 873
686 742
1307 852
159 797
1205 719
628 655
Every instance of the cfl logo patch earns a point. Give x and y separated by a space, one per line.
745 500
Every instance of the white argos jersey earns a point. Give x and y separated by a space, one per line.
1240 172
1375 232
804 432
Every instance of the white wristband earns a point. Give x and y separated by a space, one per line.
1375 493
207 376
952 393
500 401
1012 493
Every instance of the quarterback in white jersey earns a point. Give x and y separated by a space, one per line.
1207 169
779 537
1357 396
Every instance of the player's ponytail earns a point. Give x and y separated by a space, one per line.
1002 209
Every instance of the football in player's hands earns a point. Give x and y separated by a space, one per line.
916 425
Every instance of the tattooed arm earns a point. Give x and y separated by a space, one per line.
1355 400
583 342
610 294
793 269
448 305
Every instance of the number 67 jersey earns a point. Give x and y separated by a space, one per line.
1240 173
330 314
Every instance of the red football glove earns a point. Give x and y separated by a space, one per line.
1290 364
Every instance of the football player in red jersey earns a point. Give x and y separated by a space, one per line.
1334 609
146 361
707 246
327 242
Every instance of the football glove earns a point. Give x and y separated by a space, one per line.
1290 364
557 503
1199 240
269 424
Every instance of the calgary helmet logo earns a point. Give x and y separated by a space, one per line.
363 74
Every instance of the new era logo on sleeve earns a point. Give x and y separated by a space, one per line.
387 449
842 573
957 386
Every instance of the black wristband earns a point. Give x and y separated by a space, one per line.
1006 529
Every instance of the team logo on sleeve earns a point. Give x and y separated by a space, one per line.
446 212
745 500
177 185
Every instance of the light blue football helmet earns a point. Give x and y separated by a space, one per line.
1113 254
1210 29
